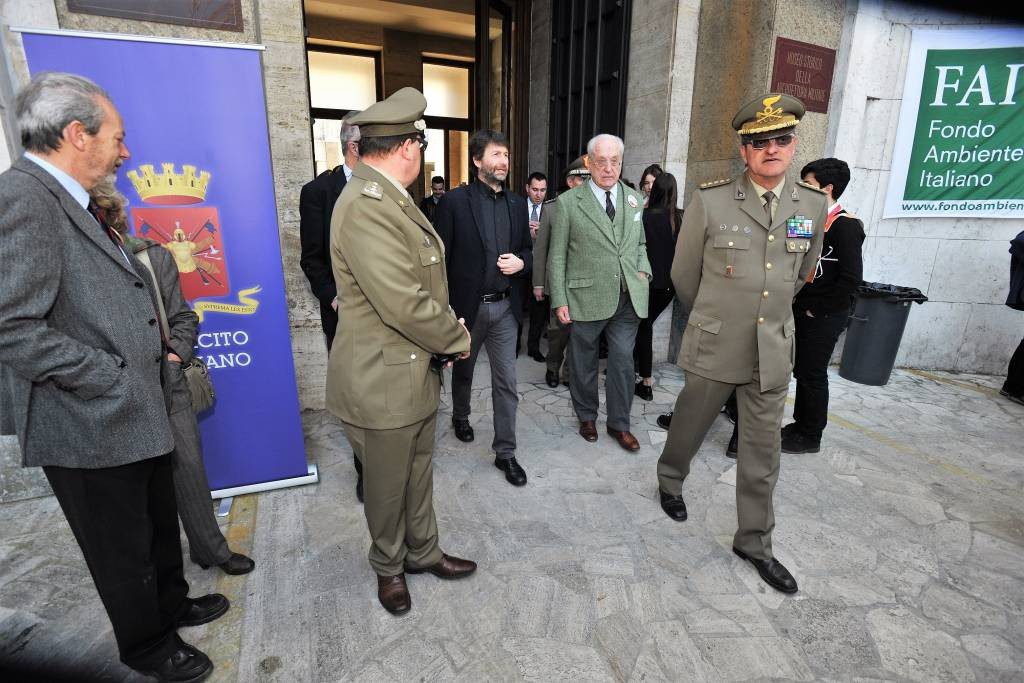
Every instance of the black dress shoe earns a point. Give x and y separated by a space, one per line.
1016 398
674 506
665 421
538 356
796 441
514 474
204 610
551 378
185 664
643 391
733 449
463 432
236 564
772 572
359 487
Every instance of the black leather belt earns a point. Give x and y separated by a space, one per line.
491 298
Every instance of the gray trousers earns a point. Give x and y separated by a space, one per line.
757 461
206 543
620 331
496 328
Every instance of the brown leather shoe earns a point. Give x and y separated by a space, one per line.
588 430
625 439
448 568
393 593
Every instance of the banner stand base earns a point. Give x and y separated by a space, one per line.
312 477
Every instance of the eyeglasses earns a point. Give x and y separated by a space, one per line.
423 143
781 141
606 163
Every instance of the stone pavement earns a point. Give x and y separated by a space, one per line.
906 533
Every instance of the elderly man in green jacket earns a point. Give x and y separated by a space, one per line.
598 272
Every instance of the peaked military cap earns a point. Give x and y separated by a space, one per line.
578 167
396 115
769 116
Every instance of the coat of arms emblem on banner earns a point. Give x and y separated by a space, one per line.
191 234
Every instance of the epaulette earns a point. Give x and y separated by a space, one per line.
716 183
373 189
551 201
810 187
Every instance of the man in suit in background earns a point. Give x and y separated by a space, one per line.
575 175
599 273
746 246
316 204
536 191
429 204
489 254
80 346
384 378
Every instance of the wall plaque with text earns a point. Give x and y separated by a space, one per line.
804 71
221 14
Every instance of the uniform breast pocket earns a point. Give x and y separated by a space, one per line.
730 252
796 249
430 260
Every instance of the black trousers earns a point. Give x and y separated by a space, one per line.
539 311
643 351
1014 384
126 523
815 340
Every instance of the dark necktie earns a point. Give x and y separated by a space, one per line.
533 215
768 197
609 208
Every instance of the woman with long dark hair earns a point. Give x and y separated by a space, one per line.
661 225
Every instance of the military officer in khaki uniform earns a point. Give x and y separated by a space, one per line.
393 296
745 247
558 335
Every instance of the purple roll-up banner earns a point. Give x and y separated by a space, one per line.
199 181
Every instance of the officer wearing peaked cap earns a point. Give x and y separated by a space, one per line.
393 296
745 247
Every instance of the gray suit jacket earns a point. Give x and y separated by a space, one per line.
80 350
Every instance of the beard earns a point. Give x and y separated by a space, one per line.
494 176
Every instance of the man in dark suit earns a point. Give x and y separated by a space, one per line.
536 191
80 344
488 252
316 204
429 204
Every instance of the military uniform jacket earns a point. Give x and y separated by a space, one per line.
540 246
589 256
738 274
393 296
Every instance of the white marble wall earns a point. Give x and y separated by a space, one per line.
961 264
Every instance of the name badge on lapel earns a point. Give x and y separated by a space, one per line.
799 226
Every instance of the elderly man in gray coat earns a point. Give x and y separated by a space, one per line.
80 367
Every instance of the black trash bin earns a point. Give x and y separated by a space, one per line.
876 328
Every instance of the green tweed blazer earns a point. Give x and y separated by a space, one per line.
590 256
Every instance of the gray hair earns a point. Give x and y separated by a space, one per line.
605 137
349 131
51 101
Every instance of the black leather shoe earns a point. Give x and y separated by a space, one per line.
643 391
236 564
514 474
772 572
665 421
185 664
797 442
734 444
674 506
1016 398
359 487
463 432
204 610
551 378
538 356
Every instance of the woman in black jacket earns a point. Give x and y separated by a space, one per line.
661 226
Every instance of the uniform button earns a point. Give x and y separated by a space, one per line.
152 321
730 244
412 356
616 277
764 294
771 238
767 266
700 324
760 321
791 245
433 258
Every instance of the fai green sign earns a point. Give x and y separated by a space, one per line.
959 147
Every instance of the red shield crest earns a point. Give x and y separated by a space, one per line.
192 235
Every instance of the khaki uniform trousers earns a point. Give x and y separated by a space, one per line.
398 486
558 347
757 462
